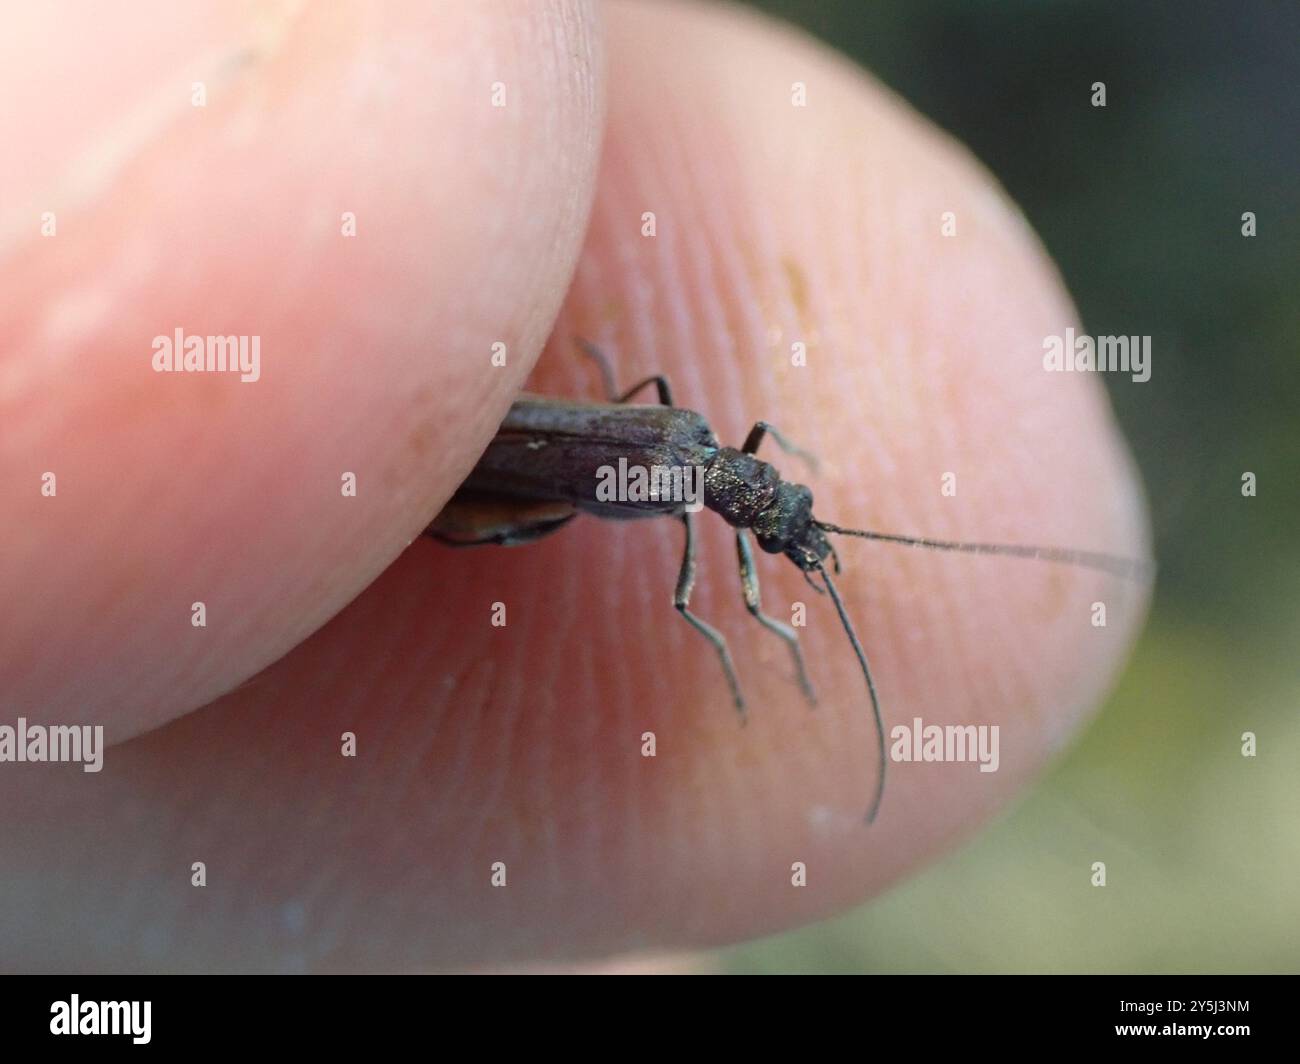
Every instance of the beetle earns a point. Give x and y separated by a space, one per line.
549 461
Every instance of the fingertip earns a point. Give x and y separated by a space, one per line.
790 262
386 302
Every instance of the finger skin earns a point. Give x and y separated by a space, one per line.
523 744
229 219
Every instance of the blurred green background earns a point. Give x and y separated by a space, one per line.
1140 204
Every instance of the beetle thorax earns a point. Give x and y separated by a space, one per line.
749 493
739 487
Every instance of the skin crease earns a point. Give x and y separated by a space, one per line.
522 744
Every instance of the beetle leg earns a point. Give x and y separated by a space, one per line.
682 600
749 581
469 522
510 538
762 429
607 376
661 385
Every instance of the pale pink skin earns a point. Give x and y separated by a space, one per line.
522 744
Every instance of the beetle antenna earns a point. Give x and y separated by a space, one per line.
871 687
1108 563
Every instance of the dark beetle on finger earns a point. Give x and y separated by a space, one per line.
551 459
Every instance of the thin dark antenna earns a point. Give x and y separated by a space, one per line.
1109 563
871 688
